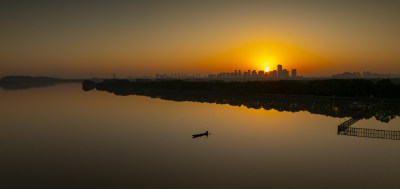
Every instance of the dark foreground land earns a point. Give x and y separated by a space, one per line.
384 88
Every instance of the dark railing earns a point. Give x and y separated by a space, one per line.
345 125
346 129
370 133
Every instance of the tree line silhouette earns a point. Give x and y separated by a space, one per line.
382 110
330 87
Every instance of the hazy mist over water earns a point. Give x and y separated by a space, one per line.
63 137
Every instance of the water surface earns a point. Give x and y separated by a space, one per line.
63 137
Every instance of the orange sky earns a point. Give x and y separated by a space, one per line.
75 38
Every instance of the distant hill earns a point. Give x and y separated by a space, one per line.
24 82
29 79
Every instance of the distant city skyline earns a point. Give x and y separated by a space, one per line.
279 73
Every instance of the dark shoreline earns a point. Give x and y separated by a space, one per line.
338 88
383 110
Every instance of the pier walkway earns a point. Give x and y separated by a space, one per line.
346 129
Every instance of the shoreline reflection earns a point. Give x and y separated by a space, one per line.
381 110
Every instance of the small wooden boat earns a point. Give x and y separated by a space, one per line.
200 135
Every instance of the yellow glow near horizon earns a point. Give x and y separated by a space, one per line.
263 56
266 66
266 61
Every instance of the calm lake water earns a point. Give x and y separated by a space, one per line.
63 137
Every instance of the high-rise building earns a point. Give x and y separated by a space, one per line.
279 67
260 73
279 71
273 74
294 73
254 73
284 74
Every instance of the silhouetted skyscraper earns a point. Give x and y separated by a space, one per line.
284 74
274 74
279 67
294 73
260 73
279 71
254 73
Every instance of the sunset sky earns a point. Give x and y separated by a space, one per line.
136 38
